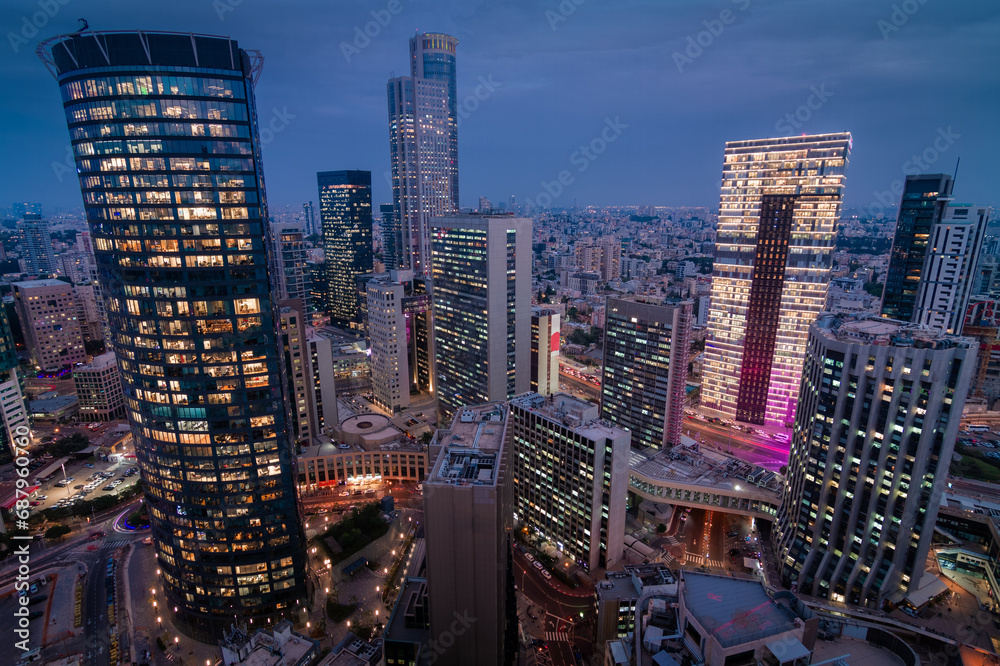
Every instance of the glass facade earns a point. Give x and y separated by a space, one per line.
345 208
165 136
923 203
760 176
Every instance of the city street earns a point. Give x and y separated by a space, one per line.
552 610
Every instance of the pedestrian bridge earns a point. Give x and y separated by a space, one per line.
704 478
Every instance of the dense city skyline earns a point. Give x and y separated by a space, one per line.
538 80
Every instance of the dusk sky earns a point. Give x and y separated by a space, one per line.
907 78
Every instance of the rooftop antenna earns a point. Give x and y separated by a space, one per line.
957 162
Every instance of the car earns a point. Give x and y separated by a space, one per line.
529 557
546 574
37 599
538 565
356 492
732 534
33 589
42 497
34 615
89 465
346 493
35 503
108 488
370 491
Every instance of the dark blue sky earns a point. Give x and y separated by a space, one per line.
899 75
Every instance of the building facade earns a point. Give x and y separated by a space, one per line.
468 504
571 474
13 406
296 370
345 208
878 415
933 264
646 347
289 252
387 339
423 146
778 216
36 240
99 389
481 272
164 129
544 351
48 316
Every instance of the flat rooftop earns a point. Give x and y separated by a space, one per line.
323 446
867 329
734 611
410 610
471 447
700 465
623 584
582 416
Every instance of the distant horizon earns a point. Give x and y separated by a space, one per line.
630 102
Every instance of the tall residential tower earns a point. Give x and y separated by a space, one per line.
778 216
164 129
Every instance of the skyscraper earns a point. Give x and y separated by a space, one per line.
481 272
423 145
164 127
646 347
570 476
778 216
877 418
468 505
935 251
289 253
345 208
36 239
392 239
387 339
309 213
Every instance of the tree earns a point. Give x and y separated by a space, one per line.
57 532
661 528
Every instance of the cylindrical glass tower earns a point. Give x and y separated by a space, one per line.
164 129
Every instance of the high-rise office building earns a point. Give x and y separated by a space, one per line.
570 476
392 239
309 213
778 216
423 145
13 409
935 252
646 348
544 351
164 127
296 370
386 329
21 208
289 253
345 208
36 240
468 505
99 389
875 429
47 313
481 269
